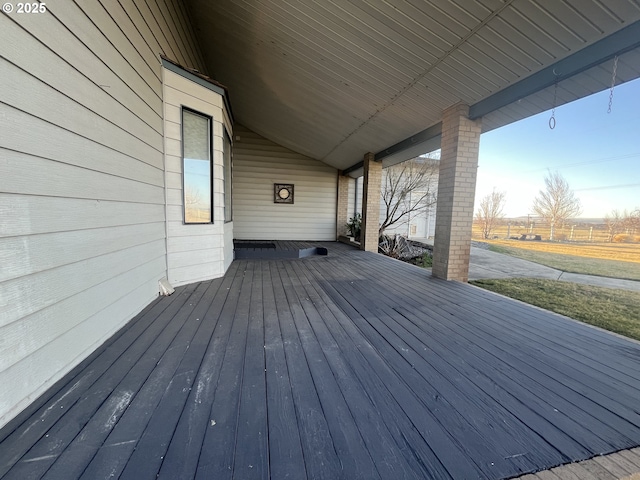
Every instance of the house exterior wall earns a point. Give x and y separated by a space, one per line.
420 224
355 195
195 252
82 202
258 164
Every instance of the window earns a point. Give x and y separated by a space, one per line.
228 208
196 167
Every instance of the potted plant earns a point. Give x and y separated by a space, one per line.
354 225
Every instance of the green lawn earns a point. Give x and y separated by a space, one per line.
574 264
614 310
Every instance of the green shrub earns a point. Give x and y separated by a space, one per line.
354 225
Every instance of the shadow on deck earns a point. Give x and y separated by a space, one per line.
350 365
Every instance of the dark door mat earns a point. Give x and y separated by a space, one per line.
273 254
248 245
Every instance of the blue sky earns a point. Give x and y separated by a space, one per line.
598 153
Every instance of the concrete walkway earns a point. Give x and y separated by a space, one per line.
488 264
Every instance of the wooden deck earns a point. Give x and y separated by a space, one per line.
346 366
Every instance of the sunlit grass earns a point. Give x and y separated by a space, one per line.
614 310
605 260
625 252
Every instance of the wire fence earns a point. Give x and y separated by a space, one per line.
574 232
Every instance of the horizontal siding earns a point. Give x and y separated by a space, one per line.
257 165
30 215
194 252
63 180
28 294
51 250
70 117
32 374
82 187
34 331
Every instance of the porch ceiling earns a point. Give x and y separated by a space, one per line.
334 79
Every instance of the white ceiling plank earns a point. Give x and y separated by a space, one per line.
333 79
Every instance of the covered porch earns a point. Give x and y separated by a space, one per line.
349 365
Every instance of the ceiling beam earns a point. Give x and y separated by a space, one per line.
353 168
420 137
617 43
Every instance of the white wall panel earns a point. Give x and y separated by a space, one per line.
257 165
194 251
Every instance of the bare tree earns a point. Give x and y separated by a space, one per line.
408 187
556 203
193 204
615 223
634 220
192 197
490 211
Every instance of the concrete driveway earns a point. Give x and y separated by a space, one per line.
487 264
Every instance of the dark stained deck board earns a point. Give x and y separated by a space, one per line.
355 460
625 398
547 334
458 412
81 404
421 400
384 452
512 383
221 434
286 458
516 343
320 456
392 283
116 450
494 318
406 438
505 429
16 442
616 350
182 455
351 365
251 449
129 395
580 340
150 450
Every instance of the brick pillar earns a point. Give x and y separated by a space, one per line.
456 192
371 203
342 211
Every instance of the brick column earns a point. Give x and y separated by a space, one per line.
456 192
342 211
371 203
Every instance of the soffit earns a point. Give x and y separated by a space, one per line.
334 79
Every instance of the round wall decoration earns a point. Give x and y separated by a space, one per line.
283 193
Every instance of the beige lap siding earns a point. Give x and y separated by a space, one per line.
258 164
82 198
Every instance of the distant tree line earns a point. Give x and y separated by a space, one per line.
623 223
556 205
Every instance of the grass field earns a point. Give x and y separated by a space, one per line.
616 260
614 310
